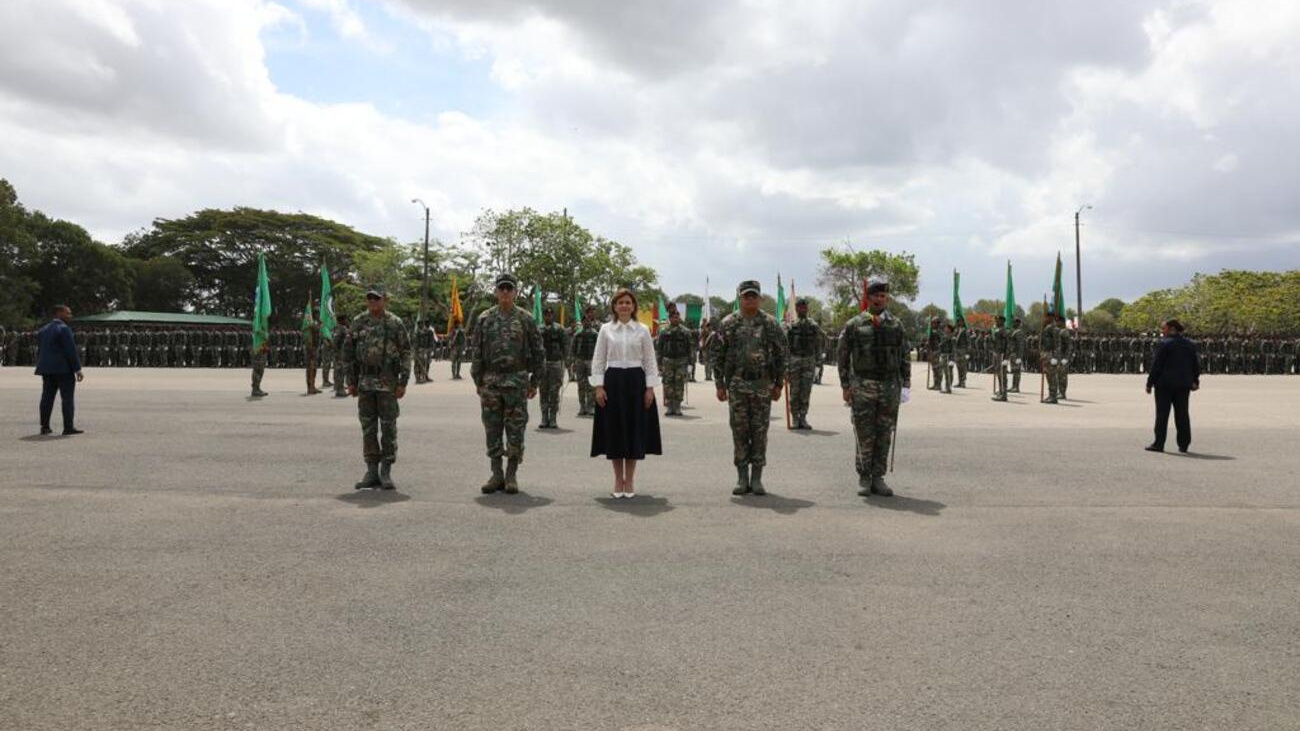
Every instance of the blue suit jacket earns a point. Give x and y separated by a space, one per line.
58 352
1176 364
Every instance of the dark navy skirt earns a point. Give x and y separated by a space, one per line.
624 427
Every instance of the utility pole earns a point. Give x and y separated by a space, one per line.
1078 271
424 287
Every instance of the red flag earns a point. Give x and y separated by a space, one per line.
863 305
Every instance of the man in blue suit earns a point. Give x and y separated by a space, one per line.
1175 373
59 367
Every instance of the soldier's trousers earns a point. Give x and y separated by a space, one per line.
340 379
938 366
455 366
1017 366
963 360
999 376
378 412
421 365
586 393
552 381
750 406
1063 378
326 365
802 372
259 367
875 411
674 373
1052 372
504 408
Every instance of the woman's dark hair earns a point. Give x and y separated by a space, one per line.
620 294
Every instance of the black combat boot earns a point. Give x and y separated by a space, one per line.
497 480
512 484
742 480
370 479
386 476
878 487
756 480
864 485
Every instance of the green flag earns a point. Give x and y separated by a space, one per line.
327 321
577 310
261 305
537 304
1058 292
780 299
1009 308
663 311
957 312
307 320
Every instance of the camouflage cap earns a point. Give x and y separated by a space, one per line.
749 285
801 302
376 289
506 278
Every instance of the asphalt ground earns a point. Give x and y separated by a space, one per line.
198 560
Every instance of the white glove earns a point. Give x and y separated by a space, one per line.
905 395
1054 362
1006 363
1065 361
1017 361
952 364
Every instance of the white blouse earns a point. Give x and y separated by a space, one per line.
624 345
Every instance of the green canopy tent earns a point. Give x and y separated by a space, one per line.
134 317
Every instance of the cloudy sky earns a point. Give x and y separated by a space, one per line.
728 139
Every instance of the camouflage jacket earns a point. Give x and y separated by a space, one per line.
805 338
674 343
749 349
506 348
377 353
874 347
555 342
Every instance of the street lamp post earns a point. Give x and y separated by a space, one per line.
424 287
1078 271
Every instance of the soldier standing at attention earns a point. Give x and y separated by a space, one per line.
506 363
258 360
1000 344
456 342
933 344
423 348
1066 351
582 348
1017 354
708 341
961 350
340 357
1049 345
673 348
378 356
876 375
327 357
555 345
749 363
310 347
804 337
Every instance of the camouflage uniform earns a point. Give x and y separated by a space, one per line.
506 362
310 349
340 358
673 346
1049 345
749 358
806 341
874 365
327 356
1017 356
1067 353
999 350
583 348
456 343
555 346
961 345
378 358
423 352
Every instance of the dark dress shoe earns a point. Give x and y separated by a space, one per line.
70 432
1154 448
1183 450
46 430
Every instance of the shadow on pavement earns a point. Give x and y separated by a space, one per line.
521 502
642 506
555 432
906 504
1189 455
39 437
773 502
373 498
813 432
683 417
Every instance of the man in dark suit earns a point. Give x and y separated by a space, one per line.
1175 373
59 367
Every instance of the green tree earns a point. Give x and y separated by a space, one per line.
1113 305
220 247
841 274
18 288
75 270
161 284
1100 321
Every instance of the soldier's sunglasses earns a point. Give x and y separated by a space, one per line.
506 287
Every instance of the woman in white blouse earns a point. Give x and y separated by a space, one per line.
625 375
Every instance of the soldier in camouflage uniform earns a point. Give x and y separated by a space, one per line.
456 344
1017 354
1000 350
423 351
582 347
961 347
555 346
378 357
805 340
258 360
933 345
311 349
506 363
749 364
875 369
1067 352
1049 355
340 357
673 348
327 357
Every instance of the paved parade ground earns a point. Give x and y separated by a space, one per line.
198 560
